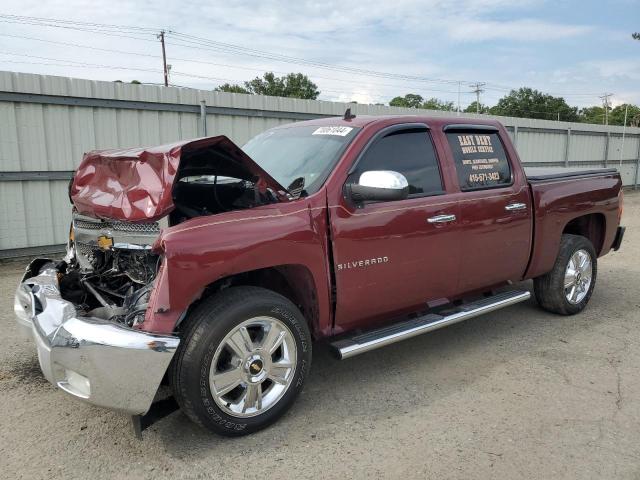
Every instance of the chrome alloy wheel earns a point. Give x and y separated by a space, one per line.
577 276
253 367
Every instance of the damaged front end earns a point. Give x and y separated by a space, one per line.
86 312
109 269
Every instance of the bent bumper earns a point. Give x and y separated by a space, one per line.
100 362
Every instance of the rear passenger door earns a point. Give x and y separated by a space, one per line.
392 257
495 208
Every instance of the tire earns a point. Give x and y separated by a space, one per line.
550 290
215 354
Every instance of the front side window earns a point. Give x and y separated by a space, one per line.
480 160
409 152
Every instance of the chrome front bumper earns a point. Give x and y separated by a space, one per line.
102 363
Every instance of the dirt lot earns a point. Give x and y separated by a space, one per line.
516 394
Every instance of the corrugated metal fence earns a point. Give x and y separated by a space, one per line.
47 123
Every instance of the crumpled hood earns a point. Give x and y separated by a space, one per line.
136 184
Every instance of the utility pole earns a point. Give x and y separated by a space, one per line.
606 104
478 90
458 98
164 59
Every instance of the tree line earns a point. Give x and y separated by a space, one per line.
524 102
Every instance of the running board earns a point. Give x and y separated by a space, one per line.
364 342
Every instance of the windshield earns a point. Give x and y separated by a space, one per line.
300 157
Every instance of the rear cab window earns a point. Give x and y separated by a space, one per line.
407 151
480 159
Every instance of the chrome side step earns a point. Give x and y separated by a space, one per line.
364 342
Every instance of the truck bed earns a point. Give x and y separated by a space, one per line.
542 174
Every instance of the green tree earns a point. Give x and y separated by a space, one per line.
437 104
413 100
616 116
472 108
636 35
529 103
410 100
231 88
293 85
593 114
135 82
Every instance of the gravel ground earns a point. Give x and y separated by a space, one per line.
519 393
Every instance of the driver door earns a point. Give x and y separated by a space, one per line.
394 257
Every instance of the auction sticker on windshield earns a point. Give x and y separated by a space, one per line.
341 131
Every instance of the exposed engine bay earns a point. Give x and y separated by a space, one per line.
109 269
209 181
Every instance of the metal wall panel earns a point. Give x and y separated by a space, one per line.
587 148
41 135
620 149
541 147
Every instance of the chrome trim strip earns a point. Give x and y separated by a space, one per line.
351 349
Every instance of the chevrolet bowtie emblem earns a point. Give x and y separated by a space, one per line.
104 242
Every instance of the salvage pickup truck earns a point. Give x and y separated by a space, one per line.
209 269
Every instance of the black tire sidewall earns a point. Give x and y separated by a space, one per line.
207 334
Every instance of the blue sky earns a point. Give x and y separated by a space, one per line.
577 49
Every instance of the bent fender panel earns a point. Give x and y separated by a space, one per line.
206 249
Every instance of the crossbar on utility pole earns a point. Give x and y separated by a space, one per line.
478 90
606 104
164 59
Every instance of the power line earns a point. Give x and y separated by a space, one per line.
202 43
191 41
254 69
73 63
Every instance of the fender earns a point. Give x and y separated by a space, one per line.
556 204
203 250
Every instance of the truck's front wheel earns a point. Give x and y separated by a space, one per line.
243 359
568 287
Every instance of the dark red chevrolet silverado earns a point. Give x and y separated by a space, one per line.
210 269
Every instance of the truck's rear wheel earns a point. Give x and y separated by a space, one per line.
568 287
243 359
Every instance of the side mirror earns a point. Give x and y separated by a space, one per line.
379 185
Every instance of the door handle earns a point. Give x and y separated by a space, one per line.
512 207
441 219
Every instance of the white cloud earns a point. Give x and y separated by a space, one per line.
615 68
520 30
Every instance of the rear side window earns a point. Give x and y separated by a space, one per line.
409 152
480 160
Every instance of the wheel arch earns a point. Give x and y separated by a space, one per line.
592 226
293 281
